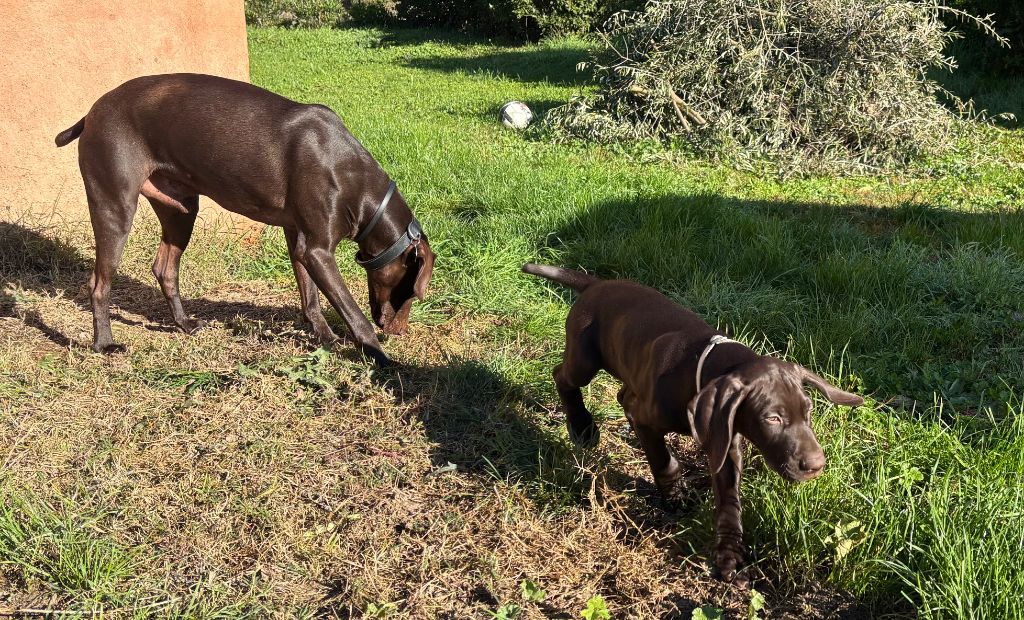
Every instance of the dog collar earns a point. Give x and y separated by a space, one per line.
377 214
412 235
715 340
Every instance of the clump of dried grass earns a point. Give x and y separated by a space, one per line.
815 85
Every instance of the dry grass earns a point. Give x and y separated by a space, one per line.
239 472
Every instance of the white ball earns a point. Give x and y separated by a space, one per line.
516 115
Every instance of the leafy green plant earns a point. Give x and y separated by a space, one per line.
596 609
532 592
755 606
382 610
707 612
510 611
309 370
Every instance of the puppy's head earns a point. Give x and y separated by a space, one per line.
765 402
394 286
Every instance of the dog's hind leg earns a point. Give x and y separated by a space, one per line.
176 231
111 215
309 294
578 368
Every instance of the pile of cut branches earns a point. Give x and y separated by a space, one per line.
813 85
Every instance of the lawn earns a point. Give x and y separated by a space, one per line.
241 472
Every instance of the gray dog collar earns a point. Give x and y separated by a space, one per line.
715 340
412 235
377 214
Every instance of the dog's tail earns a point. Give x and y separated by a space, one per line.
576 280
70 134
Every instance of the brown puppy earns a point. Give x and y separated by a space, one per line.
656 348
175 137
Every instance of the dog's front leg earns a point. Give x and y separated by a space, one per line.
319 261
664 467
728 525
309 294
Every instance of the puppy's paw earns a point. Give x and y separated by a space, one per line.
729 568
586 437
674 495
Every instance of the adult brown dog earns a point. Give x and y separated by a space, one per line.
175 137
681 375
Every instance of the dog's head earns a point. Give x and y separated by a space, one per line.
394 286
765 402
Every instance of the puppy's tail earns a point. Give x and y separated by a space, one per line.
70 134
576 280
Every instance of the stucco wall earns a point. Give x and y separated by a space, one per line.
58 56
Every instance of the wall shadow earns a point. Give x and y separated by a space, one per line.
34 261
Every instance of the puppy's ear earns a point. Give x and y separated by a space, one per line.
830 391
711 413
424 257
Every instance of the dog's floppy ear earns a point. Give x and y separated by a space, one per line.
830 391
424 257
711 413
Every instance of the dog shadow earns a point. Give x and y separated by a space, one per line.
34 261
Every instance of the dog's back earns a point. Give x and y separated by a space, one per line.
618 320
624 319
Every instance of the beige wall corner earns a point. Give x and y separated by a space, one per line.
57 57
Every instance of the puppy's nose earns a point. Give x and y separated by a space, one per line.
813 463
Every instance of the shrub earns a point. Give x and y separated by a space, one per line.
1009 22
507 18
295 13
817 85
514 19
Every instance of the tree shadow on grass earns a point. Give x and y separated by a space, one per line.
485 426
497 430
918 299
34 261
555 66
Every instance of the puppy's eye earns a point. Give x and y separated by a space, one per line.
773 419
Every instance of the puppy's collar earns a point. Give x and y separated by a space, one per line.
715 340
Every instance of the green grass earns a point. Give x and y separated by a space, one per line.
908 286
241 472
61 552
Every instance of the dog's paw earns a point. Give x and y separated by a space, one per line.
587 437
679 493
729 568
191 326
109 348
379 357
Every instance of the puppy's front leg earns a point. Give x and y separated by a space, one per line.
664 467
728 525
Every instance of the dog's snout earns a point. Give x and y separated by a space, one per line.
813 463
